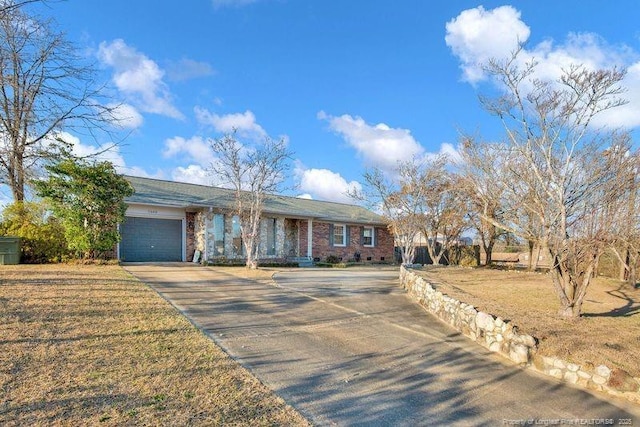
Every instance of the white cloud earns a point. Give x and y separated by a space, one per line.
451 152
187 69
196 149
196 174
126 116
628 115
243 123
378 145
200 156
139 78
593 52
477 35
586 49
193 174
106 153
138 171
324 184
101 153
306 196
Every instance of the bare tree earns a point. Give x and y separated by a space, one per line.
46 87
478 167
560 175
252 173
422 198
508 178
9 5
441 201
626 216
400 210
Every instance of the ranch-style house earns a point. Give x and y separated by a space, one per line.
173 221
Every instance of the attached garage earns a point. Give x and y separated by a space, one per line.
152 239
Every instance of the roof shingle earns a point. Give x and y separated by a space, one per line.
182 195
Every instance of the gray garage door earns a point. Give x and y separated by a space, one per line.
151 239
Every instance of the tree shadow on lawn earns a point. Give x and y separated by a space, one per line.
152 333
89 283
631 305
50 411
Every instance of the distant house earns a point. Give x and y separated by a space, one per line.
170 221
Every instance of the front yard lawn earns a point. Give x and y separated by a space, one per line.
608 332
91 345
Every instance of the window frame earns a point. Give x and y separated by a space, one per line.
343 243
218 224
236 235
373 236
271 234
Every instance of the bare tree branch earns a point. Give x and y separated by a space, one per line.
253 173
424 199
559 187
46 87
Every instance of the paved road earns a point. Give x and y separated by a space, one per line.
349 348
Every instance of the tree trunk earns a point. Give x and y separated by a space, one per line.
561 279
570 312
536 259
572 289
404 255
632 280
488 251
632 276
410 254
407 247
252 252
531 245
628 268
434 253
16 176
252 261
624 265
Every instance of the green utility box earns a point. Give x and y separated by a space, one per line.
9 250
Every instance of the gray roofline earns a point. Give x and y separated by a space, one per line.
232 191
172 194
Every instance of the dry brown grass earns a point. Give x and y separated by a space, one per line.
88 345
608 333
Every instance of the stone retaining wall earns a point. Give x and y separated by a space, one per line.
504 338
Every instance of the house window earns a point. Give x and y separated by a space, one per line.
271 236
218 234
236 236
368 236
339 235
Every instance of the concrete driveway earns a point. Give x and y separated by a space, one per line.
347 347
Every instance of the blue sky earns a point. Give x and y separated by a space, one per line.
349 84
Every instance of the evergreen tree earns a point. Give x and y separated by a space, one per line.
89 201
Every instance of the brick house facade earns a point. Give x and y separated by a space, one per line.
160 211
379 248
